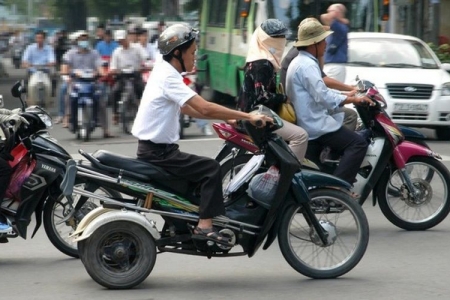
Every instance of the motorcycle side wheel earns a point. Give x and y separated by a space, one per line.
88 116
119 254
128 113
55 210
433 196
348 235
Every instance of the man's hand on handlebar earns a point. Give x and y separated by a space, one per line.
260 120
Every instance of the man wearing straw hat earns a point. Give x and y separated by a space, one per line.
318 108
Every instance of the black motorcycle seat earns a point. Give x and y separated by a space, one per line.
133 165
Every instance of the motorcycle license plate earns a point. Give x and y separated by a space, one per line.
410 107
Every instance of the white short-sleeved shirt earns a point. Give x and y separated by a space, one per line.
134 56
157 119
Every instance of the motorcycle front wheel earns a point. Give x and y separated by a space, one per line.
347 233
57 210
119 254
431 181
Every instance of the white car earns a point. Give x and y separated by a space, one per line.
408 74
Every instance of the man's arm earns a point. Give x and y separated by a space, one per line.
26 58
51 56
337 85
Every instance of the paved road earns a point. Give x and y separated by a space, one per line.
397 264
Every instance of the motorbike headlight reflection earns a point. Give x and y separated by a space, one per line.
445 89
46 119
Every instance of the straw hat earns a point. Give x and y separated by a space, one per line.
311 32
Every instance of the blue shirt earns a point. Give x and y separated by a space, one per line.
337 44
106 49
316 106
34 55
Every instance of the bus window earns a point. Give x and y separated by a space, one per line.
217 13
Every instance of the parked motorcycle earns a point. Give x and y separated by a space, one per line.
84 98
38 169
39 86
407 179
322 232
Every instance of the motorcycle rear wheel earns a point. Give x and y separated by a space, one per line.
119 254
433 204
346 224
55 210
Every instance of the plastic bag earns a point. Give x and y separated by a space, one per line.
263 186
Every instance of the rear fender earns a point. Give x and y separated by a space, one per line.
101 216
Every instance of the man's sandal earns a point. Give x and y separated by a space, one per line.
209 234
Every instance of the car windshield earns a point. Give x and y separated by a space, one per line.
389 53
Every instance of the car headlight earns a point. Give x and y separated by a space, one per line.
446 89
46 119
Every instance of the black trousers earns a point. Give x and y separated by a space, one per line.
196 169
351 146
5 176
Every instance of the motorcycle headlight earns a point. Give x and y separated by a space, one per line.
445 89
46 119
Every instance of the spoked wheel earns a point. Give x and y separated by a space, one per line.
56 211
431 203
119 255
347 233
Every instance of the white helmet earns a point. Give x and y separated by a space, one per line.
120 34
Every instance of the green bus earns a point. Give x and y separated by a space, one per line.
226 27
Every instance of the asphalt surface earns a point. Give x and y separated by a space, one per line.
397 264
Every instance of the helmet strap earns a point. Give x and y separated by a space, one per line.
180 59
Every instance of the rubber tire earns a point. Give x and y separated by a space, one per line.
443 133
283 237
136 274
49 228
394 219
181 121
88 116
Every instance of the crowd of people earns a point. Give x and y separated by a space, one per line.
66 53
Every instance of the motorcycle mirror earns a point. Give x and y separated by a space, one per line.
17 90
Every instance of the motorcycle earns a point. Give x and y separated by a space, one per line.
84 98
16 55
39 86
407 179
128 103
118 244
39 164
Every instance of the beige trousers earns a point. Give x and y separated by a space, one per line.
297 138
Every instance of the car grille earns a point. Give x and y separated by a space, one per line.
410 116
410 91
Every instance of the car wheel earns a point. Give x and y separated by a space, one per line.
443 133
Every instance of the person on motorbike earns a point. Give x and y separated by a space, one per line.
263 61
350 115
127 55
39 54
317 107
157 127
106 46
6 116
82 57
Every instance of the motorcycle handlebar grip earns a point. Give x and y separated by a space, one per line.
69 178
258 123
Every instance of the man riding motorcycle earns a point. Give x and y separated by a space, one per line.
82 57
127 55
318 108
39 54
